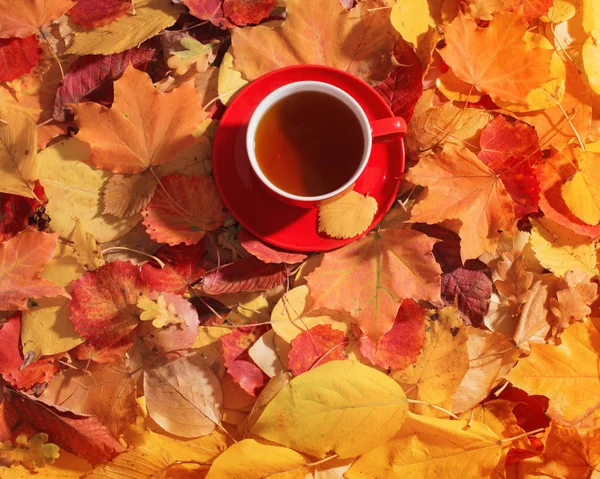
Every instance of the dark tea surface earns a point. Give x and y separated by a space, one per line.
309 143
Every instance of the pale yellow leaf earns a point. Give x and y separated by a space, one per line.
74 191
250 459
193 53
87 251
18 151
562 10
411 19
443 361
151 16
32 452
158 311
230 80
582 191
560 250
342 407
347 215
591 62
46 328
264 353
429 447
183 396
591 16
126 195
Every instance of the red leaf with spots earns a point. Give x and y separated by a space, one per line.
401 345
184 265
16 212
11 359
77 433
239 364
90 73
104 306
18 56
315 346
97 13
244 12
245 275
404 85
211 10
266 253
511 150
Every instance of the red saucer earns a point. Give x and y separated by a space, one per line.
281 224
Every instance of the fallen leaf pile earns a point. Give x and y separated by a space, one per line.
145 334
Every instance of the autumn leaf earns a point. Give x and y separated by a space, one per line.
460 186
183 209
244 12
32 452
428 446
28 17
16 212
184 397
230 80
496 60
346 215
86 249
243 275
350 278
22 259
318 345
93 14
322 32
104 305
373 405
125 196
582 191
401 345
151 16
193 53
266 253
19 56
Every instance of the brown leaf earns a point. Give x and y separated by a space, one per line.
125 195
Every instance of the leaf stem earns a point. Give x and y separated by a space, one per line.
416 401
123 248
322 461
525 434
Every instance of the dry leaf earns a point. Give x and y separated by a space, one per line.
347 215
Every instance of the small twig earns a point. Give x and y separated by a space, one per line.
123 248
218 97
327 459
4 122
133 12
44 123
525 434
379 8
416 401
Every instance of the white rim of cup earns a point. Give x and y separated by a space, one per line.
288 90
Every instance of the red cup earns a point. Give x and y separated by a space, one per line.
383 129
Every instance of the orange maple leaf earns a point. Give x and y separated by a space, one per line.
369 277
143 128
460 186
21 18
22 258
496 60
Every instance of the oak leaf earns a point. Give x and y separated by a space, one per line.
572 386
143 128
151 16
104 305
373 405
443 361
582 191
460 186
358 41
401 345
496 60
191 53
28 17
32 452
94 13
183 209
574 297
314 347
369 277
22 258
427 446
346 215
183 396
266 253
18 57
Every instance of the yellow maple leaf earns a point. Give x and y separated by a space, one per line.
582 191
348 214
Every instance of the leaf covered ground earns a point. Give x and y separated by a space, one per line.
145 334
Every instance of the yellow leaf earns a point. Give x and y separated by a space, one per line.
582 192
569 374
151 16
33 452
411 19
347 215
250 459
443 361
46 328
87 251
73 189
67 466
230 80
454 88
126 195
194 53
158 311
560 250
183 396
591 16
591 62
264 353
562 10
342 406
18 151
429 447
293 314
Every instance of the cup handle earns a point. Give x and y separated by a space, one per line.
388 129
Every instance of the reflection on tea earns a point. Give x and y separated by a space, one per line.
309 143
